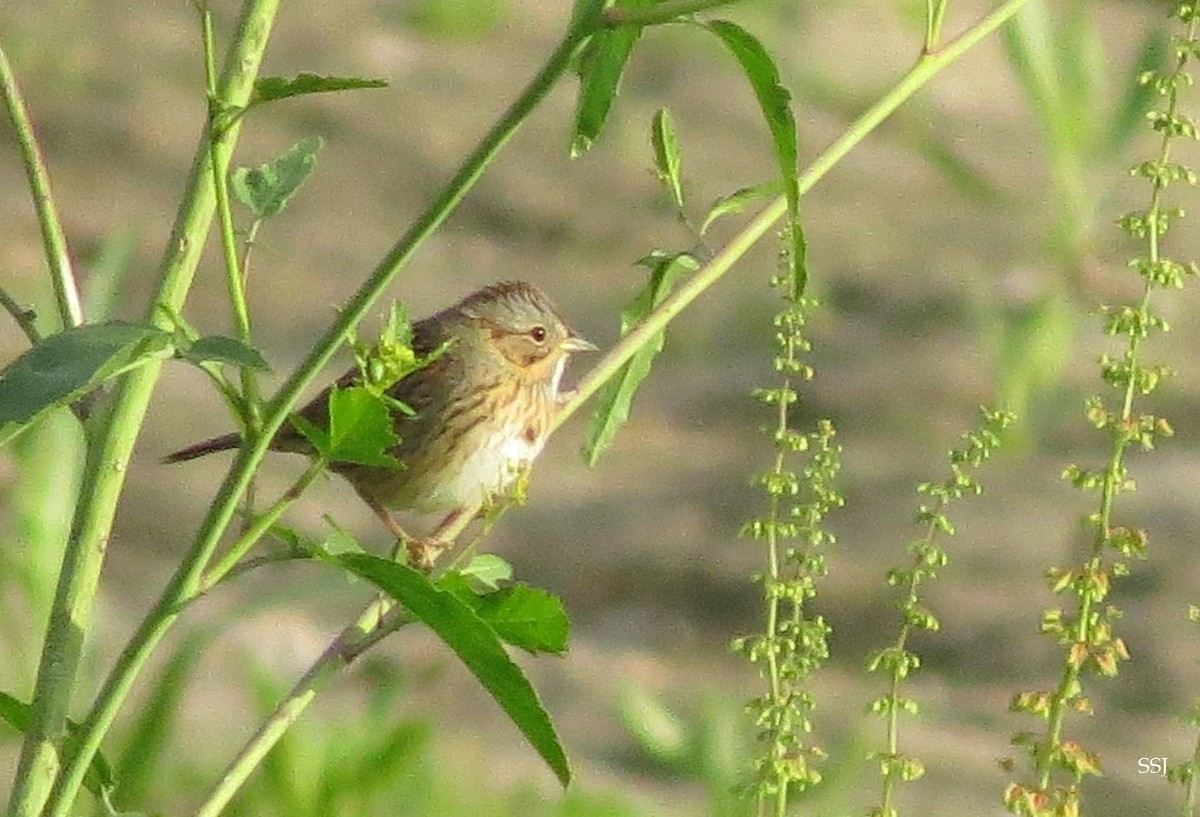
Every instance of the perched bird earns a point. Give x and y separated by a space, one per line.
482 408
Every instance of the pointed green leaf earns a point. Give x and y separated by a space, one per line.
475 643
667 157
739 200
360 428
775 102
613 403
526 617
17 714
487 570
266 189
60 368
222 349
269 89
601 66
522 616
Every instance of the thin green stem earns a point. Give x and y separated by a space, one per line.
366 630
25 316
235 281
353 642
54 240
935 14
111 438
664 12
927 66
1189 796
258 527
1113 472
183 585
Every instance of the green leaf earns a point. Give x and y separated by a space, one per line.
1139 96
613 403
522 616
265 190
222 349
487 570
526 617
739 200
667 157
775 102
269 89
475 643
360 429
17 714
602 64
58 369
338 541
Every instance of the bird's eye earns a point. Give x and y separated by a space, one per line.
538 333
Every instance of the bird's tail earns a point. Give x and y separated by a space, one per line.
226 442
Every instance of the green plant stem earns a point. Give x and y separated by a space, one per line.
927 66
893 719
664 12
773 578
111 437
54 241
302 694
371 627
935 14
258 527
1112 474
25 317
1189 796
183 585
217 122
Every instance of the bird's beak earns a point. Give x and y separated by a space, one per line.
577 344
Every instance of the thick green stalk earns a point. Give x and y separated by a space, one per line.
927 66
185 583
111 437
66 293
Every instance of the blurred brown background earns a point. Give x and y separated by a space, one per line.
928 277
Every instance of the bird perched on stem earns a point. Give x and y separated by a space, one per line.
481 409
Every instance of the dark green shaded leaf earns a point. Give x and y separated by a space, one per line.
613 403
269 89
739 200
360 429
266 189
17 714
222 349
1139 96
667 157
601 66
775 102
58 369
475 643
